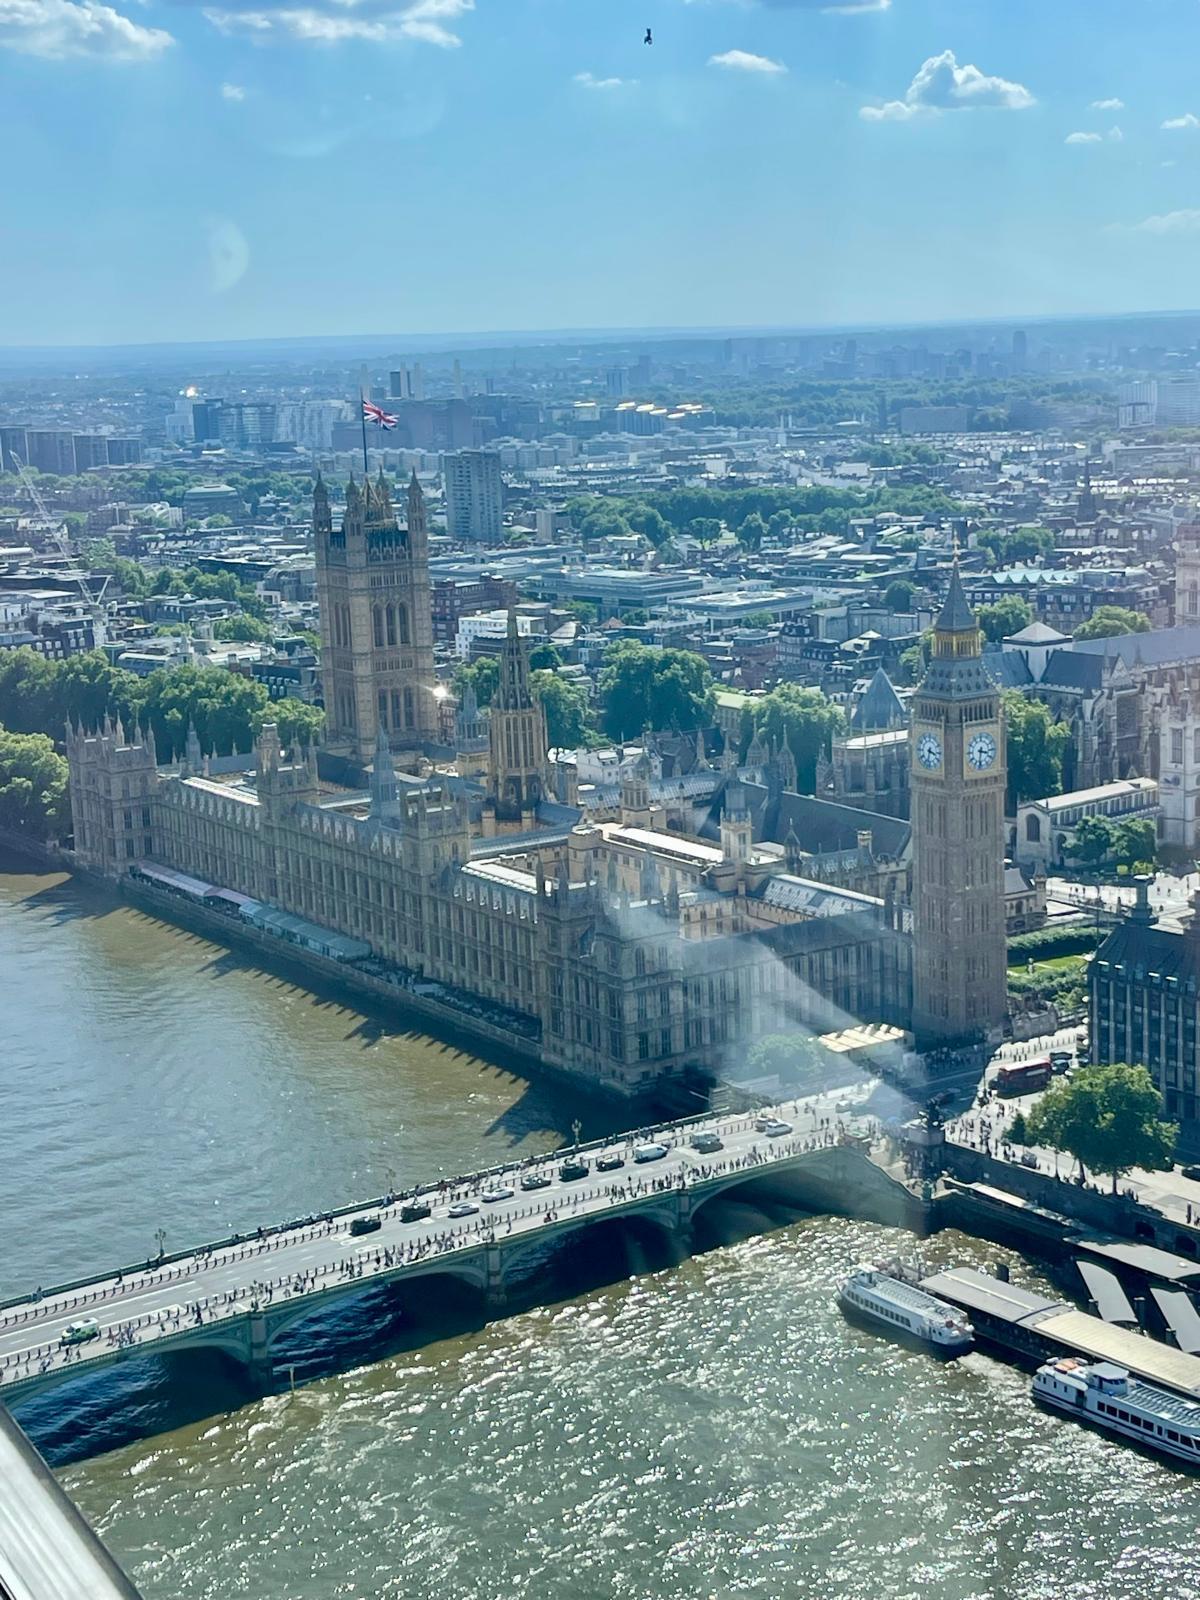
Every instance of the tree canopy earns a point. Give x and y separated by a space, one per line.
642 686
33 785
898 596
793 1058
1003 618
1035 747
482 676
1131 843
805 718
568 711
243 628
1108 1117
1108 622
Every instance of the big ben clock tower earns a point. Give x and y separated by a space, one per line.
958 785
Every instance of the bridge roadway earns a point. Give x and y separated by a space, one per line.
238 1297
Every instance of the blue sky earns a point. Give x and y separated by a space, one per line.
194 169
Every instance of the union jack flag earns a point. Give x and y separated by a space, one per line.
377 415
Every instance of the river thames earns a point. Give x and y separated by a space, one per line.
708 1431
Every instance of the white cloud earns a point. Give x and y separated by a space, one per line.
1083 138
1108 105
1170 222
830 7
232 91
1187 120
1115 136
587 80
334 21
57 29
745 61
942 85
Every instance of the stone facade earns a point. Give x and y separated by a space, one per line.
376 627
958 782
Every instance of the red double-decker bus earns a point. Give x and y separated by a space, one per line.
1023 1077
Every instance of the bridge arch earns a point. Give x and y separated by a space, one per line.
602 1248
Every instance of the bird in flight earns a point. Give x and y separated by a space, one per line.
649 39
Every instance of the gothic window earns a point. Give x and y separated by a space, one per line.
391 625
1191 599
409 719
1196 745
377 619
402 623
1177 745
396 718
383 708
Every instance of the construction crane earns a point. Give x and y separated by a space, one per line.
55 530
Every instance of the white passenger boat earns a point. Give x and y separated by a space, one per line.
1106 1395
893 1306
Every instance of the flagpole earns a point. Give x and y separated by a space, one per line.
363 413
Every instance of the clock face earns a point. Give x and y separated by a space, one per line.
981 751
929 751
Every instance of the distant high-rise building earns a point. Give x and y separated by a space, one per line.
206 419
474 495
1179 402
12 443
51 450
616 382
1020 349
400 384
122 450
1137 404
91 450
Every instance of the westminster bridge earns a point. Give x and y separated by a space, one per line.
494 1237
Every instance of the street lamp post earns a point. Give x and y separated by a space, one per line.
160 1239
577 1129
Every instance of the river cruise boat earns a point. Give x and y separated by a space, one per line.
1110 1399
890 1305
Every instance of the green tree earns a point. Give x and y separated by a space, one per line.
705 530
1107 622
33 785
1135 843
651 524
1094 841
298 723
1020 546
1004 618
482 675
1035 748
916 658
793 1058
898 596
568 711
806 719
759 619
243 629
583 610
642 686
1108 1117
218 520
225 708
752 530
544 657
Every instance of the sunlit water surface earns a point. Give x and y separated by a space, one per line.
713 1430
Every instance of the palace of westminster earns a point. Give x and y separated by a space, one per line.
642 930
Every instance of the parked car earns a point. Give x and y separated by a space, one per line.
1191 1173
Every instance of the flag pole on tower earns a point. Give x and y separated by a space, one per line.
363 408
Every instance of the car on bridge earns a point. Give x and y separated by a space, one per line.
535 1180
415 1211
463 1208
80 1332
361 1225
651 1151
491 1197
572 1169
707 1143
610 1161
773 1127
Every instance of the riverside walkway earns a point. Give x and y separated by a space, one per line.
488 1231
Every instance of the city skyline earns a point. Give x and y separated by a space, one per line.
967 164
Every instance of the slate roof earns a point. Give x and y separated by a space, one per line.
1134 944
956 615
1038 633
879 707
823 827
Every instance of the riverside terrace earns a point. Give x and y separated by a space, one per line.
238 1297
